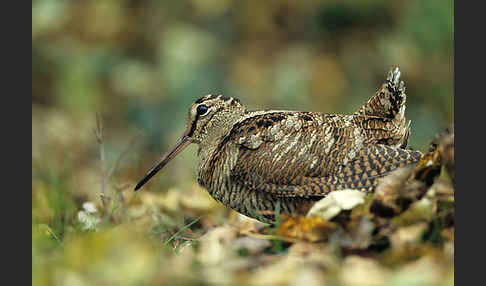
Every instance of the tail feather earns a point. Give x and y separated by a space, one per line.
389 103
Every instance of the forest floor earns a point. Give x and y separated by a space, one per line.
402 234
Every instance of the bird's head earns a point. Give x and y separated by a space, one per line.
209 119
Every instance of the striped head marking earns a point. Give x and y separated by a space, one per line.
208 120
209 115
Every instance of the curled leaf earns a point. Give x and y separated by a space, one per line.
335 202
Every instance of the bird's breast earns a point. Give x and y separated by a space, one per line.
214 169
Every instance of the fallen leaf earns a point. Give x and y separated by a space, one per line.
361 271
335 202
357 234
304 228
419 211
214 245
290 270
424 271
250 245
408 235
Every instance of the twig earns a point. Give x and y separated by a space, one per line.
119 189
99 138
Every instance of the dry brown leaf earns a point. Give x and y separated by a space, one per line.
445 145
420 211
303 228
357 234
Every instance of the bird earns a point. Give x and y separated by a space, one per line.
265 163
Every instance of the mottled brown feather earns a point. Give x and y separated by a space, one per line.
253 161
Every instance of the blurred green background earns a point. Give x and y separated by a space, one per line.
140 64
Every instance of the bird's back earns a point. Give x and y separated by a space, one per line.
299 157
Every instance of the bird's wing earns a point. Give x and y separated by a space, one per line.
296 159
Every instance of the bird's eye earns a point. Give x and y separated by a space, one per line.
202 110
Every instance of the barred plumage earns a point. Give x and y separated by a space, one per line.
253 160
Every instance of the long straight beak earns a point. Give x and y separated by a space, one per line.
179 146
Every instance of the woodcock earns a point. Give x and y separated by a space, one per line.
253 160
